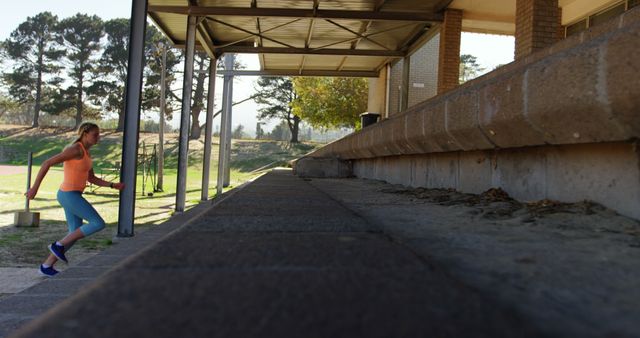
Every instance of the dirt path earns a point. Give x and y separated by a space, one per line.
12 170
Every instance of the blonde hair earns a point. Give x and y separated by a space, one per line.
84 128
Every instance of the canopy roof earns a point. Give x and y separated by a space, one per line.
304 37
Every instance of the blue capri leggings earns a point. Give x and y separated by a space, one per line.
76 208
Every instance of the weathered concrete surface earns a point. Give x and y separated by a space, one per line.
14 280
572 270
278 259
606 173
322 167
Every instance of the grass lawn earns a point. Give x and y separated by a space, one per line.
27 246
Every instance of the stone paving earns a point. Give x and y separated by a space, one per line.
278 257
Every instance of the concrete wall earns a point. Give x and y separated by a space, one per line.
606 173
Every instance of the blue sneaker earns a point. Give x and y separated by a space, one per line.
58 251
49 272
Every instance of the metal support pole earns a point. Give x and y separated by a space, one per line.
29 162
224 122
227 153
206 166
163 104
132 99
181 185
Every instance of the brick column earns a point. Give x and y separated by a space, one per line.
537 25
449 58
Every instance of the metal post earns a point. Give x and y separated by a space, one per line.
206 166
133 96
227 153
224 129
163 104
181 185
29 162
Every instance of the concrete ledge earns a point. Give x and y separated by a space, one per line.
606 173
322 168
582 90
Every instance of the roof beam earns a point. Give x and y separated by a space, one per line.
310 51
359 35
204 36
250 32
163 29
299 13
295 72
254 4
251 35
442 5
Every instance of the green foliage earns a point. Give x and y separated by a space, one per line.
469 67
155 43
81 34
280 132
108 91
275 95
238 133
34 48
330 102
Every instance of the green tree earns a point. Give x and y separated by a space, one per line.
201 66
81 34
276 95
108 90
238 133
201 74
34 49
6 106
155 43
469 68
331 102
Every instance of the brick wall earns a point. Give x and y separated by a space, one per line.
449 63
537 25
424 71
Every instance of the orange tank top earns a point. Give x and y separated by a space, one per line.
76 172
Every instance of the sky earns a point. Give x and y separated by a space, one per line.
12 13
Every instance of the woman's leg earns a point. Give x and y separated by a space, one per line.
76 209
82 209
73 222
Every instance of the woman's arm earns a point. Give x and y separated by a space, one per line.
102 183
71 152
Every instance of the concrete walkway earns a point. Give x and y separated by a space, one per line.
281 257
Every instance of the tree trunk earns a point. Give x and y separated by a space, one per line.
196 130
198 96
295 129
79 104
36 108
120 126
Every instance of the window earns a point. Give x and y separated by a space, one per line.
600 17
604 16
576 27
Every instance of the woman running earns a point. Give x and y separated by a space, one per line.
77 172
